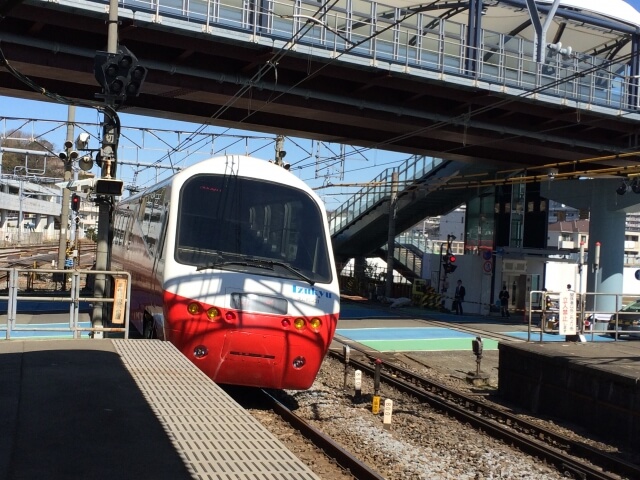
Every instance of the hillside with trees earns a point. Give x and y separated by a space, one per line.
21 164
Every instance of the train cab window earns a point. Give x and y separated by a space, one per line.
252 218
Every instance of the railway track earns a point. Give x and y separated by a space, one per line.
41 256
325 446
572 458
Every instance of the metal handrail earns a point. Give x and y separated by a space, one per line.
379 189
74 296
582 313
419 44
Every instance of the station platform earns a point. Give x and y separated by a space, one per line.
125 409
595 383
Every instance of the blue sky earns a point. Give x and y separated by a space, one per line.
312 162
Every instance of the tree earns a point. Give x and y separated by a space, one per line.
91 234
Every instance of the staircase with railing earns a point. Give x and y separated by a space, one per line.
407 260
360 226
378 190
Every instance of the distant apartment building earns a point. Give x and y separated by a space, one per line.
568 227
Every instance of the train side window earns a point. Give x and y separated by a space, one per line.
163 236
152 219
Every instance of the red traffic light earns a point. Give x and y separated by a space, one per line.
452 258
75 202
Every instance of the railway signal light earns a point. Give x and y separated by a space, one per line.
119 73
449 263
448 268
75 202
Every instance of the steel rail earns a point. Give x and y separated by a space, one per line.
344 458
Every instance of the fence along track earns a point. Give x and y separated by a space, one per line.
34 292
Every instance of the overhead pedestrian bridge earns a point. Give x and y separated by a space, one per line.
481 89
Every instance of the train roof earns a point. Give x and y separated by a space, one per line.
241 165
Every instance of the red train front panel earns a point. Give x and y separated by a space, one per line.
253 340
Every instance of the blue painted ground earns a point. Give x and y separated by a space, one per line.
404 333
28 306
550 337
430 339
33 334
409 339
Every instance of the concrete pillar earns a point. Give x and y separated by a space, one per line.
359 273
608 228
607 225
50 228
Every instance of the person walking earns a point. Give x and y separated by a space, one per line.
503 296
459 298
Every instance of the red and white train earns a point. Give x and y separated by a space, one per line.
231 261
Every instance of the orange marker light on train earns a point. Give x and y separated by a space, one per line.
194 308
213 313
315 324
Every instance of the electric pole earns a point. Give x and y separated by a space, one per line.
119 74
280 153
64 214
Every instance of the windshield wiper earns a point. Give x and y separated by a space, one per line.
242 263
292 270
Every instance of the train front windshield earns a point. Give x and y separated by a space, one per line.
236 223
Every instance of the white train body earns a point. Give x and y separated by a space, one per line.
231 261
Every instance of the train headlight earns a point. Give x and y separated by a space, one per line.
200 351
194 308
213 313
299 362
315 323
299 323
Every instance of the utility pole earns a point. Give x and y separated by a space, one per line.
64 215
107 155
119 74
280 153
